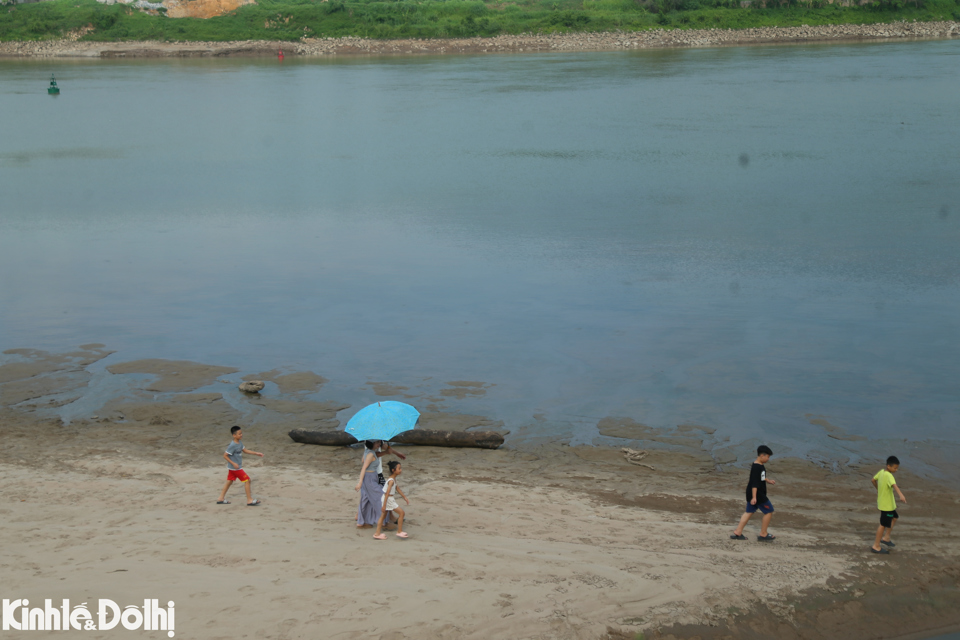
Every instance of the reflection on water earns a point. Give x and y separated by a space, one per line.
762 240
25 156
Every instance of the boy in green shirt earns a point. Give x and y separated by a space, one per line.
886 485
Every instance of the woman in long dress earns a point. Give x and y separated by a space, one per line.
370 484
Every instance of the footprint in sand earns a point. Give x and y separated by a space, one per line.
444 572
286 627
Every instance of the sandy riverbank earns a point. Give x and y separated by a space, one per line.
548 541
659 38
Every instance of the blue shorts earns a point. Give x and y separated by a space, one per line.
765 508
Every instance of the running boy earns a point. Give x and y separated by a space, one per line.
234 457
886 485
757 497
390 504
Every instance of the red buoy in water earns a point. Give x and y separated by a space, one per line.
280 54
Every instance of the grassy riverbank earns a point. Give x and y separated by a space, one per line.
293 19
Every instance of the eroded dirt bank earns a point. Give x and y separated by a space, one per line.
659 38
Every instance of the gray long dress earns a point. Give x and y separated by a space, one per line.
371 496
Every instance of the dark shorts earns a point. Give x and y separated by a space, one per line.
765 508
887 518
237 474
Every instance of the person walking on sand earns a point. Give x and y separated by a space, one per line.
757 497
886 485
370 484
234 456
390 504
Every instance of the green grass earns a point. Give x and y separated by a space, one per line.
294 19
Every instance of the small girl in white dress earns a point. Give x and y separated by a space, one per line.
390 504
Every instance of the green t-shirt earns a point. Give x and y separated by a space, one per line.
885 482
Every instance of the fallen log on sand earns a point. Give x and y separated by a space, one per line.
425 437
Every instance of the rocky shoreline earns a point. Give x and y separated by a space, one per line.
655 39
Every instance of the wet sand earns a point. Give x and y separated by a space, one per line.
543 541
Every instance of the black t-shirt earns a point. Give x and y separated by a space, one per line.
758 479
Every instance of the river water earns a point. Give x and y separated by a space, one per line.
761 240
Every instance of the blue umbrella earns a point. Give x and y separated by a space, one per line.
382 421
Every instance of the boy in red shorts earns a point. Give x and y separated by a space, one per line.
234 457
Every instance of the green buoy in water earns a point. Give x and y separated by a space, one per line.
53 89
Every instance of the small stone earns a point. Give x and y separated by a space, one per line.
251 386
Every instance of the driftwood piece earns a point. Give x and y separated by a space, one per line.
326 438
425 437
634 456
436 438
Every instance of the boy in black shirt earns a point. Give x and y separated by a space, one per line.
757 497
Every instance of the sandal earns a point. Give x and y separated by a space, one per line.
888 543
738 537
379 536
223 502
766 538
403 534
253 504
882 550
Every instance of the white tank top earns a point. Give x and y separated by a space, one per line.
386 485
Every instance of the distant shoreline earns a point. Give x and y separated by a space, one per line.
610 41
